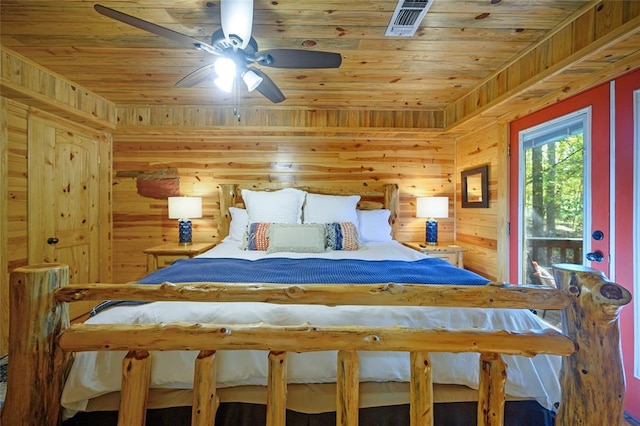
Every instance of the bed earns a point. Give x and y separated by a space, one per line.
366 330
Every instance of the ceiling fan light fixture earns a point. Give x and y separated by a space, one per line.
224 83
251 79
225 68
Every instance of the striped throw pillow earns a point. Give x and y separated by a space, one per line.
342 236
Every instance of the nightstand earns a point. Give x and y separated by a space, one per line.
172 251
450 252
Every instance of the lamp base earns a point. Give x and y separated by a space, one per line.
184 232
431 234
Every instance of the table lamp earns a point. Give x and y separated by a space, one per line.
432 208
183 209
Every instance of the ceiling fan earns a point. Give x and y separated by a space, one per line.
236 50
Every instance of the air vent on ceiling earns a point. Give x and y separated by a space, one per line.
407 17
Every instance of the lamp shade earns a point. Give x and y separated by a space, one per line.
185 207
432 207
251 79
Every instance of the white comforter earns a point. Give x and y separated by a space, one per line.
97 373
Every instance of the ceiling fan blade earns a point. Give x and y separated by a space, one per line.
236 17
183 39
268 88
196 77
297 58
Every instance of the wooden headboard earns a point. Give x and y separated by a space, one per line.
383 196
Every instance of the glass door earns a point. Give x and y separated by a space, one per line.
554 166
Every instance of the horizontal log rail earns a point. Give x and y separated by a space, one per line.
492 295
306 338
41 339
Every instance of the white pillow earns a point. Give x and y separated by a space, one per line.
373 225
282 206
239 223
297 238
331 208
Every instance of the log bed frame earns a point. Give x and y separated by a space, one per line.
42 342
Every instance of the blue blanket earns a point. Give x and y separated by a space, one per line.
307 271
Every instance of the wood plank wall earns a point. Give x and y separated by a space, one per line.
421 163
481 230
14 176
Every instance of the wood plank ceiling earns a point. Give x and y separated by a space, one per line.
460 45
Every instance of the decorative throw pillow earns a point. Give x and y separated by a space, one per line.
320 208
341 236
373 225
282 206
258 236
296 238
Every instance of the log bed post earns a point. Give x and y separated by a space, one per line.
594 371
421 390
38 367
493 376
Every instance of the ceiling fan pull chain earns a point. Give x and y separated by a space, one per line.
236 100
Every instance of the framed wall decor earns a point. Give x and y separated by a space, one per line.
475 187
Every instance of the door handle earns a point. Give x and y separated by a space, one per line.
52 241
596 256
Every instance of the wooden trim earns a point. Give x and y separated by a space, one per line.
4 196
502 203
105 211
138 117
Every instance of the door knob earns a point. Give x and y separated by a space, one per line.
596 256
52 240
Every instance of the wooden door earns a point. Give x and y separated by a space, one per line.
64 201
